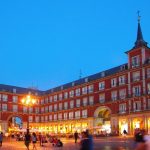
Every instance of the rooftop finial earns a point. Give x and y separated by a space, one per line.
139 41
139 17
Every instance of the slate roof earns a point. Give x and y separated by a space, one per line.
89 78
20 90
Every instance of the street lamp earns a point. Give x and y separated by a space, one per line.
28 101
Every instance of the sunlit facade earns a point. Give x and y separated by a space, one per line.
107 102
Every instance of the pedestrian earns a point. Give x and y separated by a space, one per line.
34 140
76 136
124 133
27 140
40 139
1 138
85 142
90 140
139 139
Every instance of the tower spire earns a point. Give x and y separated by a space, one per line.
139 41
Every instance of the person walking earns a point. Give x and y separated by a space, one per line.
76 136
34 140
85 142
27 140
1 138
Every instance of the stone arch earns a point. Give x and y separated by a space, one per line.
14 115
96 113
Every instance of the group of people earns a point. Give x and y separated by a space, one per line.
86 140
56 142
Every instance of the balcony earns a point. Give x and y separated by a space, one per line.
136 94
101 101
122 112
122 97
135 79
114 98
84 116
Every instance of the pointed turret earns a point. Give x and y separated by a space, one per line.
139 41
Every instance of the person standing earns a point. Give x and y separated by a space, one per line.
27 140
34 139
76 136
1 138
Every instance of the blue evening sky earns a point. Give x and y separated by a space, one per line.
46 43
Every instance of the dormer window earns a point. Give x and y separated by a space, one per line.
135 61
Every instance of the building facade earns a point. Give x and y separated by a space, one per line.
109 101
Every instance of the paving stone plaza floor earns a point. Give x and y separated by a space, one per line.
106 143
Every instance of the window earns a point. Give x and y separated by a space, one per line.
102 98
135 61
65 116
37 119
90 88
101 85
46 100
113 82
148 103
78 103
50 108
60 116
42 101
84 90
5 97
136 91
71 93
77 92
121 80
37 110
122 93
122 108
136 76
50 117
30 118
77 114
42 109
50 99
114 95
84 113
55 107
24 109
15 108
46 118
55 117
66 95
60 106
71 104
137 106
91 100
4 107
60 96
55 98
85 101
15 99
30 110
14 90
148 72
46 109
148 88
42 118
66 105
70 115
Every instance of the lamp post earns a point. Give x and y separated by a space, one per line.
28 101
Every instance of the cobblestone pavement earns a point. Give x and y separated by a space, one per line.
108 143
